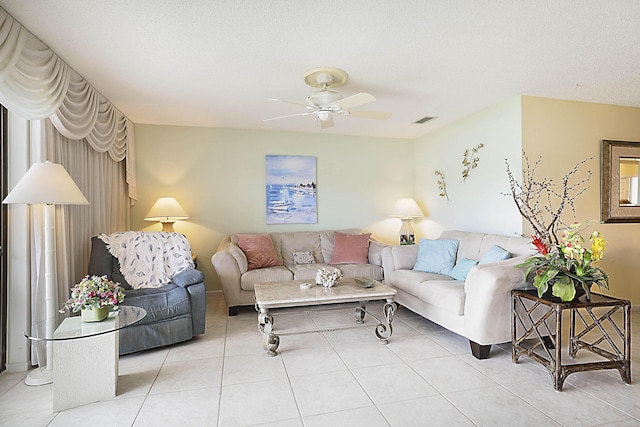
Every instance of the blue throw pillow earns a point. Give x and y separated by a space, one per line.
494 253
436 256
461 269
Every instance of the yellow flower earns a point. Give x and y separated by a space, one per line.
598 246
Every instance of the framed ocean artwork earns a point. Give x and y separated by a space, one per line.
291 190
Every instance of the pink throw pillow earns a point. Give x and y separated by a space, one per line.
350 248
259 250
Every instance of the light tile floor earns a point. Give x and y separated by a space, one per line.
425 376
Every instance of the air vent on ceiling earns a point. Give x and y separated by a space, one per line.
423 120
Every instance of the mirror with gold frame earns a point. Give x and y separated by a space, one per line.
620 173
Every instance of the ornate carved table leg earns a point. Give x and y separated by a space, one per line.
270 341
361 310
383 332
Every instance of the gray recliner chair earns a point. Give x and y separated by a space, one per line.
176 312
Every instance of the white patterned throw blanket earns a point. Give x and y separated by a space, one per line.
149 260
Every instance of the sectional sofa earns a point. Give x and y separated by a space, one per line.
475 302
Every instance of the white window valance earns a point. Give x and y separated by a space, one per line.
36 84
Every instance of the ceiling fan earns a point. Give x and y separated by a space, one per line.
325 103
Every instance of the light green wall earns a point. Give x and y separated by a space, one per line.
478 204
218 176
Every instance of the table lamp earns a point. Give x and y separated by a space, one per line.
406 210
48 184
167 210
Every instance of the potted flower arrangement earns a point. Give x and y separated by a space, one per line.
562 264
568 264
94 296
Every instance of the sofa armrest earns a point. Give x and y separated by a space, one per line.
399 257
188 277
375 252
487 308
230 264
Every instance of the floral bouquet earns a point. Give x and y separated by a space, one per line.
327 278
567 264
94 292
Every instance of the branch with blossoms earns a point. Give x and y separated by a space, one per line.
541 204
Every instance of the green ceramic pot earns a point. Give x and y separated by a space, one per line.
94 314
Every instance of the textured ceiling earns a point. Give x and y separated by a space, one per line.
215 62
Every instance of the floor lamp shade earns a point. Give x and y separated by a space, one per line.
406 210
166 210
49 184
46 183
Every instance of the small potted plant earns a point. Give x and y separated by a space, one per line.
94 296
568 267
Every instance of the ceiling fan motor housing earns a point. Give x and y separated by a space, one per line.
323 99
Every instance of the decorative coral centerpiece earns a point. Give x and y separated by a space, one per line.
327 278
95 294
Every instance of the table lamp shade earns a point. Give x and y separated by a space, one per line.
166 209
46 183
406 208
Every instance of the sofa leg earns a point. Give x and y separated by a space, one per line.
480 351
233 311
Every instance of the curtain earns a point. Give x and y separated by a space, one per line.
74 125
102 181
36 84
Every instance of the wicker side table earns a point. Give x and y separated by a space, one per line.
536 332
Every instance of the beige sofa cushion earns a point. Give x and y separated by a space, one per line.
365 270
445 294
299 241
268 274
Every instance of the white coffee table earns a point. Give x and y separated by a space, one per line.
291 294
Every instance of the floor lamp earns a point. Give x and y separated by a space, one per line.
49 184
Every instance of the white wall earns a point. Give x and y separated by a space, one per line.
17 252
477 204
218 176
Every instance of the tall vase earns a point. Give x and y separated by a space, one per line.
94 314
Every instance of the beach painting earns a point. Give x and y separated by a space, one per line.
291 190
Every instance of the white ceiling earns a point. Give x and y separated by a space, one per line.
215 62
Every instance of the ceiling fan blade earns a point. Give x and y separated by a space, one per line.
288 115
376 115
355 100
324 124
288 102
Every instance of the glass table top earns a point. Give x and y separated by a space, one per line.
62 327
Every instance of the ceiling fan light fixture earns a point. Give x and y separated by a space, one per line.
324 115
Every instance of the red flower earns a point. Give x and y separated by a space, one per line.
539 244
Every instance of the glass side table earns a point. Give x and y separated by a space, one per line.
537 328
85 355
62 327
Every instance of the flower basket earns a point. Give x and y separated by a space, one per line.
94 296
